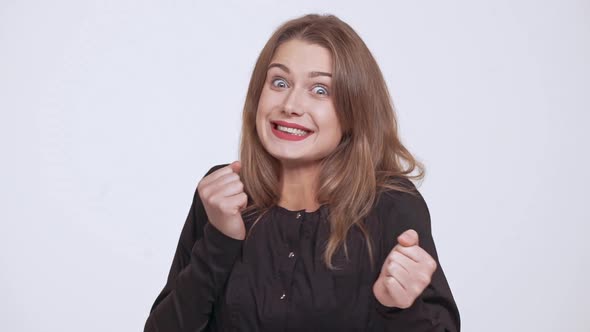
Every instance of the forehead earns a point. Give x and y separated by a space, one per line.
299 55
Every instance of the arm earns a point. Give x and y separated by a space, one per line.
201 265
435 309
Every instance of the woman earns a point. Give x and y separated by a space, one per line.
317 227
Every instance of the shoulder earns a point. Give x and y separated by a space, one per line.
399 211
402 201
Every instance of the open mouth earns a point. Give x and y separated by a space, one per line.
290 130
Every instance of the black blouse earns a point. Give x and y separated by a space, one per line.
276 280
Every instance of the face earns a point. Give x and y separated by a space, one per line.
296 120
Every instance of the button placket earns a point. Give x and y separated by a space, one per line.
288 263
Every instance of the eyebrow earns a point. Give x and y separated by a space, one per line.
286 69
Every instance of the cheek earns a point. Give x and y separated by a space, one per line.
336 137
260 120
264 104
331 124
261 110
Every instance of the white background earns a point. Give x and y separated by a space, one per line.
112 111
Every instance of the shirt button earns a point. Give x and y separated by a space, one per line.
298 215
291 255
283 296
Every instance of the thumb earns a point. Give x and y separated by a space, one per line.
236 166
408 238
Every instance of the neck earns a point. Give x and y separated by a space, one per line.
299 186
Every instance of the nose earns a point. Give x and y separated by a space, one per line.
293 103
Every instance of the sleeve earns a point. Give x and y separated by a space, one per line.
435 309
202 263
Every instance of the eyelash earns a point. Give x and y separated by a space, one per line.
277 79
326 93
323 88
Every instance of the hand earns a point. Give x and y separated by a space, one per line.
405 274
223 197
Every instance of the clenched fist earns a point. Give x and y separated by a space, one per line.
223 197
405 274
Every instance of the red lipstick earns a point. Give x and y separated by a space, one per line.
288 136
291 125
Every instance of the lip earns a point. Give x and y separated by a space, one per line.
285 136
291 125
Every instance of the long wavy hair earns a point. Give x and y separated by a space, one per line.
370 157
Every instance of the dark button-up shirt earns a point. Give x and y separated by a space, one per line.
276 279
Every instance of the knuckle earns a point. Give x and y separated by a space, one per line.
214 200
389 283
423 278
388 259
432 264
244 197
406 302
204 192
417 289
392 267
206 199
224 205
396 255
234 177
392 256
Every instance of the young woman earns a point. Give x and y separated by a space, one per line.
318 226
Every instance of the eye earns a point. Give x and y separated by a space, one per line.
320 90
279 83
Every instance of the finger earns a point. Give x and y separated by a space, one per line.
240 201
236 166
232 187
408 238
405 262
418 255
224 180
243 200
211 189
394 269
394 288
215 175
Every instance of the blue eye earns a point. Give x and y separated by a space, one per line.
279 83
320 90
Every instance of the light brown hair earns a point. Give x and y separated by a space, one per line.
370 157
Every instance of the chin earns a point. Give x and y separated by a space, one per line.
297 160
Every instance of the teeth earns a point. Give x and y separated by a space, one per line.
292 131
